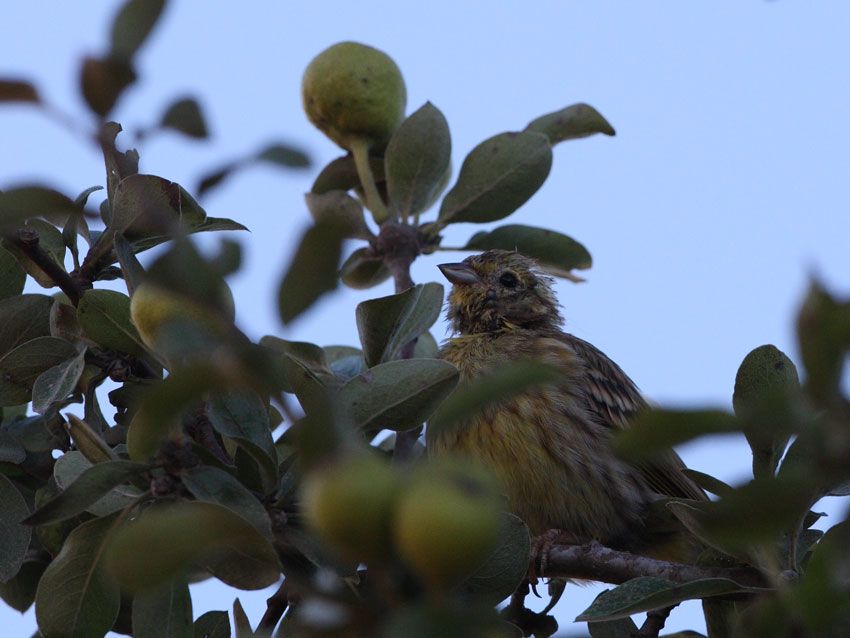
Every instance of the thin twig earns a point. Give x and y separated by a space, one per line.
276 606
27 241
654 622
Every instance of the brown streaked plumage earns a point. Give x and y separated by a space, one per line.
550 446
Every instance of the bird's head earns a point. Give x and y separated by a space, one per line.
500 289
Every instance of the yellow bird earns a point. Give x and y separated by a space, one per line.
550 446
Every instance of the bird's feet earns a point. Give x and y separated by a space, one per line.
539 555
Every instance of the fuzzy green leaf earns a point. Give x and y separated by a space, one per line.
416 160
387 324
497 177
75 597
397 395
14 537
571 123
105 318
20 368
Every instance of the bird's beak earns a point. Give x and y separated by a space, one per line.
459 273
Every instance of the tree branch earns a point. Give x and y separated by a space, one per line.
276 606
27 241
596 562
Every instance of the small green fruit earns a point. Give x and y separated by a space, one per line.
152 307
447 522
353 91
350 506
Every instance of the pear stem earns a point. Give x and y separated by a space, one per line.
360 150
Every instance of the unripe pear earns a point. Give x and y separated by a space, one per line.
353 91
153 306
447 522
350 506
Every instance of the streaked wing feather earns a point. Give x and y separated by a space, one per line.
615 399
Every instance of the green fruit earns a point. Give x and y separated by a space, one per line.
152 307
350 506
353 91
447 523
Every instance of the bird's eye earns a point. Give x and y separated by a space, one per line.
508 280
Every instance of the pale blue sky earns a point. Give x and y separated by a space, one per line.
725 187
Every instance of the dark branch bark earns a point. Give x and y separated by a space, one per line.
201 431
654 622
27 241
596 562
276 606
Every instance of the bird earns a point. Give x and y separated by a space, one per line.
550 446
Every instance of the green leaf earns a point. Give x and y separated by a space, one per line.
131 268
240 619
14 537
19 591
387 324
648 592
12 276
24 202
571 123
83 197
213 624
118 164
75 597
103 80
313 270
18 91
10 450
105 318
397 395
765 385
163 612
556 253
655 431
91 486
72 465
363 270
341 207
823 333
20 368
132 26
707 482
146 205
506 567
242 415
216 224
184 115
56 383
64 324
166 541
213 485
416 160
497 177
23 318
426 347
283 155
469 399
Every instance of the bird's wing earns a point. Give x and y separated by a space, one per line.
614 398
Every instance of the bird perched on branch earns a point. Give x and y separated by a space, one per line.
550 445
